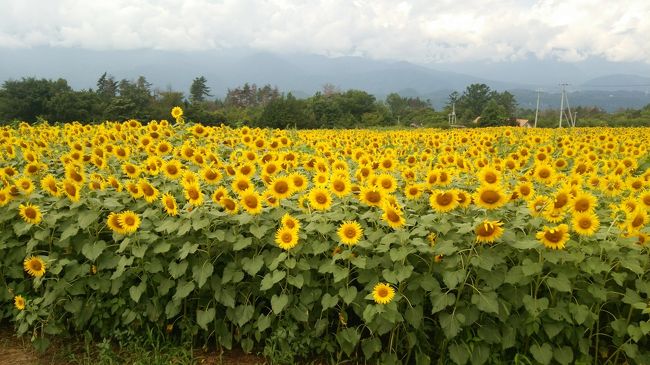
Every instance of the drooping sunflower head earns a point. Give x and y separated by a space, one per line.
286 238
383 293
34 266
30 213
350 232
488 231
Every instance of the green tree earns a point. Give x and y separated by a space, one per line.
284 112
493 114
473 101
27 99
199 90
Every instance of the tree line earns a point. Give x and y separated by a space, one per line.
32 100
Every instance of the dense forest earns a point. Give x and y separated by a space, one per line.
33 100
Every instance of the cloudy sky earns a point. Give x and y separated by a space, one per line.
421 31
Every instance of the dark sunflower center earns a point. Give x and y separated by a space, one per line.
251 201
281 187
350 232
585 223
321 198
561 201
382 292
30 213
490 196
373 197
444 199
287 237
554 236
490 177
36 265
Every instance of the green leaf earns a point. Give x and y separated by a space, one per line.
252 265
136 291
348 339
450 324
348 294
162 247
414 316
560 283
93 250
176 270
242 243
524 244
279 302
259 231
203 318
201 273
328 301
271 279
183 289
486 302
69 231
87 218
263 322
453 278
459 353
370 346
296 281
542 354
244 313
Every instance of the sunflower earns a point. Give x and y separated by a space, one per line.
229 205
172 169
383 293
219 194
544 173
583 202
321 179
585 223
636 220
525 190
30 213
443 201
490 197
386 182
489 176
34 266
413 191
464 199
19 302
281 188
350 232
169 204
5 197
371 196
149 192
299 181
25 185
286 238
554 237
114 224
488 231
251 201
131 170
320 199
290 221
211 175
645 199
241 184
129 221
340 185
177 112
393 216
193 194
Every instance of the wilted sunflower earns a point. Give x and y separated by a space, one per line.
320 199
286 238
19 302
169 204
585 223
383 293
350 232
129 221
554 237
443 201
488 231
34 266
30 213
251 201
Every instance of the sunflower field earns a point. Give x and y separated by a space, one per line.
498 245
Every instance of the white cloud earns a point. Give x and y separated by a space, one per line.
419 30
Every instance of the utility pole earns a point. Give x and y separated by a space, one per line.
452 116
562 103
537 108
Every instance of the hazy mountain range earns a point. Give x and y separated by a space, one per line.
592 82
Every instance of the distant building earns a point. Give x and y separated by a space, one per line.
525 123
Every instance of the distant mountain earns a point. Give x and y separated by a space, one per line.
304 74
619 82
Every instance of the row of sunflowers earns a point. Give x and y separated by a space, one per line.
404 246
